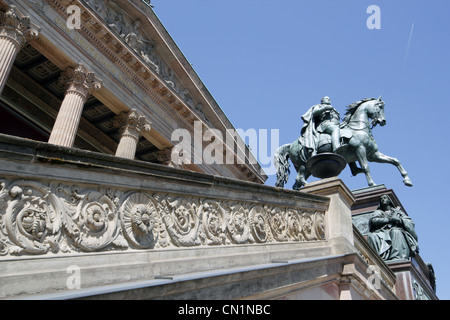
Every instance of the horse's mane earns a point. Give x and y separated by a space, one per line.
350 109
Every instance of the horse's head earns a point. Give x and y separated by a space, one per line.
375 111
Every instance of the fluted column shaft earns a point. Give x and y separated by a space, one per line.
133 125
80 82
14 33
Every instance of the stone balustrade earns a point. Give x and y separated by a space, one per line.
70 201
132 225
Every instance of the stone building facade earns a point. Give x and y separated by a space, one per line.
97 202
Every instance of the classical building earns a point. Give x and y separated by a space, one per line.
99 201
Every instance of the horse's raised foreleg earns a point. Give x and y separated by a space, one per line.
382 158
362 159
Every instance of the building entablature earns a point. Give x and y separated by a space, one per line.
124 49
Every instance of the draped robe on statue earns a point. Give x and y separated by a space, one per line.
393 241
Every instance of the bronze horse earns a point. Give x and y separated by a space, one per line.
359 146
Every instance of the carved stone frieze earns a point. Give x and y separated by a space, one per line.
131 32
47 218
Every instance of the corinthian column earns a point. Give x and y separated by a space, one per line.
80 82
14 33
133 125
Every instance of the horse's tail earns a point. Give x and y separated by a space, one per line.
281 162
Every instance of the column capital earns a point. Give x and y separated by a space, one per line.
132 126
80 81
132 123
16 27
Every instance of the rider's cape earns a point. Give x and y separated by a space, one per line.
309 133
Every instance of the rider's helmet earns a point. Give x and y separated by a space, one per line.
325 100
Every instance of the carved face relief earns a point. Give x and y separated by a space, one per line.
294 226
140 219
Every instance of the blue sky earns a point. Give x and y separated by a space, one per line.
266 62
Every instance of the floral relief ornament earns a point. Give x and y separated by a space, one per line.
36 218
140 220
31 223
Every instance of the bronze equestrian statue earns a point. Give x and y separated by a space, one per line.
322 132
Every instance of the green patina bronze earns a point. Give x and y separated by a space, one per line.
392 233
322 132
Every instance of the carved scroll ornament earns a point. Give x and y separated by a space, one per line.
40 218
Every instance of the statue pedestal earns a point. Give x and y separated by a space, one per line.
414 278
339 220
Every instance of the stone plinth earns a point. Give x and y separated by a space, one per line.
339 220
368 199
414 278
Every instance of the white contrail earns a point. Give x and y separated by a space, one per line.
408 45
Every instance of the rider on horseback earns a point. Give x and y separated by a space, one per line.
320 118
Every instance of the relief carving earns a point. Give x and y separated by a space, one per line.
90 220
214 221
278 224
38 218
182 219
140 220
238 223
259 224
131 32
30 222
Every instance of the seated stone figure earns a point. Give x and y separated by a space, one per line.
392 232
